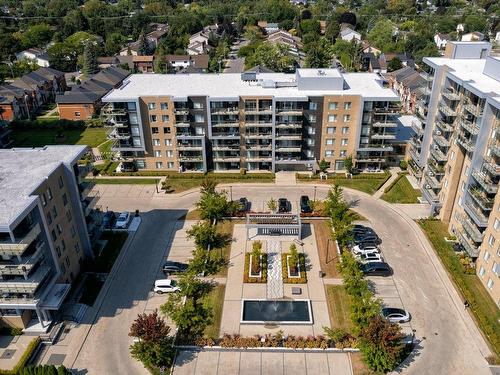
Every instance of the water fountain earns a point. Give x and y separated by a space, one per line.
260 311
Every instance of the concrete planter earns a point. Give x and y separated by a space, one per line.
267 349
290 276
250 274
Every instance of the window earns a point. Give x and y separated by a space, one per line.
199 130
343 153
347 105
65 199
332 106
463 186
54 212
165 118
328 153
49 218
311 142
339 164
491 240
58 251
490 284
496 224
168 142
156 142
69 216
157 153
151 105
170 164
495 268
63 244
67 261
486 256
347 118
311 130
445 183
59 229
332 118
63 268
481 271
166 130
163 106
460 201
313 106
44 199
60 182
159 165
77 114
77 247
170 154
310 153
73 232
452 155
154 130
199 118
344 141
329 142
153 118
345 130
197 105
330 130
311 118
54 235
467 170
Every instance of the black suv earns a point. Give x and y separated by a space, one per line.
304 204
174 267
376 269
283 205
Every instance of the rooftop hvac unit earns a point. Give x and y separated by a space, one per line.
438 132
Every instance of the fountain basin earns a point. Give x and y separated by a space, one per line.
261 311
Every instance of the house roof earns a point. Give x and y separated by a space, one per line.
348 31
443 36
142 58
408 77
157 34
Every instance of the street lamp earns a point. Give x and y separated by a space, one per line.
231 192
314 199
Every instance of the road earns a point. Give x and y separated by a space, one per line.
447 341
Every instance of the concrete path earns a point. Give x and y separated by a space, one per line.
394 175
261 362
285 178
274 276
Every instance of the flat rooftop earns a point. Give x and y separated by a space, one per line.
230 85
22 170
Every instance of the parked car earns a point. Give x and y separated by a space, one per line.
108 220
165 286
395 315
123 220
362 230
369 257
370 237
304 204
174 267
244 204
283 205
357 250
376 269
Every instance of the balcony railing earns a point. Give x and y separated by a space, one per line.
258 135
432 181
289 125
226 159
492 168
226 148
260 111
182 124
25 286
25 266
441 141
187 147
476 214
289 111
226 134
451 95
446 110
259 159
225 111
258 147
470 127
8 248
495 150
288 148
486 183
383 136
471 229
417 127
475 109
467 144
430 195
258 124
292 137
191 158
436 169
445 128
471 249
181 111
438 155
390 124
233 124
481 199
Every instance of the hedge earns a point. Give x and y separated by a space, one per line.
247 278
32 346
200 176
342 176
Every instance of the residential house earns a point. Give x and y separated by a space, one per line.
131 48
37 55
408 83
441 40
460 28
143 64
370 63
153 38
367 48
474 36
349 34
179 62
84 100
199 42
293 43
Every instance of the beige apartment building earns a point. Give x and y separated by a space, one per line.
44 226
254 121
458 152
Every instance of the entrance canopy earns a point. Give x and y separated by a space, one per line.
274 224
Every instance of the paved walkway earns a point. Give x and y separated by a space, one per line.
274 276
285 178
394 175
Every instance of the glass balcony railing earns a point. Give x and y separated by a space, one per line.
467 144
491 186
471 229
476 214
470 248
17 248
481 199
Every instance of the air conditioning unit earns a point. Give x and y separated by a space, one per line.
438 132
436 147
431 174
427 186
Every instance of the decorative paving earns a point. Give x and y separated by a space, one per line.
274 277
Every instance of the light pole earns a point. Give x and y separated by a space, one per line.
314 199
231 192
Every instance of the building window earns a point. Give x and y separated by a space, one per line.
170 154
166 130
495 268
59 229
63 268
49 218
63 244
347 105
486 256
463 186
168 142
170 164
329 142
347 118
343 153
197 105
58 251
481 271
199 130
44 199
332 106
490 284
339 164
452 155
77 114
73 232
344 141
311 130
153 118
199 118
65 199
491 240
61 182
310 153
165 118
328 153
313 106
311 118
54 235
54 212
69 216
77 247
151 105
311 142
332 118
154 130
345 130
163 106
157 153
159 165
496 224
330 130
467 170
460 202
445 183
67 261
156 142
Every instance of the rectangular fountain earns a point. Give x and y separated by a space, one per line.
261 311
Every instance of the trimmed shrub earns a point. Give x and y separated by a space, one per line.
302 267
32 346
263 267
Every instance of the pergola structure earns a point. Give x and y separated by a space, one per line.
274 224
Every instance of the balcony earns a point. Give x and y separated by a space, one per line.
226 111
23 267
258 124
227 159
467 144
181 111
426 76
260 111
430 195
289 125
368 159
441 141
234 124
89 202
258 135
258 147
471 229
476 214
116 134
226 134
29 285
108 109
188 147
436 169
190 158
451 95
389 124
492 168
432 181
438 155
288 149
13 249
387 110
383 136
417 127
470 127
495 150
475 109
259 159
290 137
445 128
375 148
486 183
85 188
182 124
470 248
225 148
289 111
481 199
446 110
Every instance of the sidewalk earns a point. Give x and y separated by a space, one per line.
394 175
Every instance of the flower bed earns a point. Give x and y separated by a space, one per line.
302 270
263 270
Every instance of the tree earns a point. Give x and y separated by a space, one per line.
348 164
142 47
149 327
293 258
323 165
348 17
272 205
203 233
215 205
208 185
114 43
394 64
309 26
44 370
160 64
154 354
381 35
90 65
35 35
275 57
381 344
319 54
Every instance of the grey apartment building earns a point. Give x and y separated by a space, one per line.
43 231
255 121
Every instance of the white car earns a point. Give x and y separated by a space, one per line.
358 250
123 220
165 286
395 315
369 257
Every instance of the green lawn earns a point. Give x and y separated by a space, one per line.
178 185
124 181
483 308
42 137
224 227
216 299
338 307
105 149
368 182
402 192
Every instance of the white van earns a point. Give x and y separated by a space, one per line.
165 286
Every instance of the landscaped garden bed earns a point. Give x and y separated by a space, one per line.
255 265
293 267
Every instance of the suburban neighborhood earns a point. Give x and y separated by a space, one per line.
249 187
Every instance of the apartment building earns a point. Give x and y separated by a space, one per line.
43 231
256 121
459 151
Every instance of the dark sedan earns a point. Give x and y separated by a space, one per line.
174 267
376 269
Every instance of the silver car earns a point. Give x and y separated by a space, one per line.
395 315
